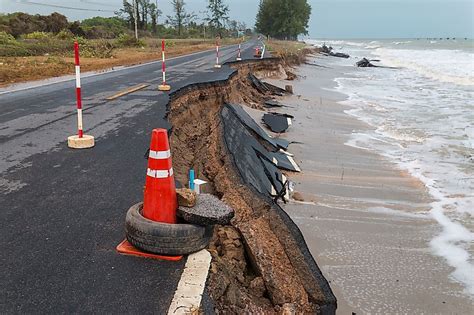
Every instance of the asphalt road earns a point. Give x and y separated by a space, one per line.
63 210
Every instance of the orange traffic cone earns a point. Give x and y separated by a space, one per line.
257 52
160 202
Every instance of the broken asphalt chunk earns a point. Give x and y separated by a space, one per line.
209 210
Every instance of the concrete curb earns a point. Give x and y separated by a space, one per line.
191 286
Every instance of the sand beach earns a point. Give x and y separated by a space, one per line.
365 220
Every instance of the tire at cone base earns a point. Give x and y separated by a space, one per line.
163 238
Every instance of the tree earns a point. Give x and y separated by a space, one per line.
283 19
181 18
127 13
154 14
218 14
55 22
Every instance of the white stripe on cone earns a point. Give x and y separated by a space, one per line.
160 173
159 155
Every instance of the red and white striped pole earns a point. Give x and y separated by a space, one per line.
78 90
217 65
79 141
239 57
163 86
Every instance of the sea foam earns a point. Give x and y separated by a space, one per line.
422 118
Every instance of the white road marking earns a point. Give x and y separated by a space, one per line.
188 295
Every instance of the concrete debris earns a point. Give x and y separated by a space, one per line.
289 88
200 186
186 197
209 210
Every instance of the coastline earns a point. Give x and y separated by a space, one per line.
368 229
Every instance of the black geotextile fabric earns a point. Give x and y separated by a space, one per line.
256 83
276 123
283 162
275 89
278 158
244 147
252 161
248 121
272 103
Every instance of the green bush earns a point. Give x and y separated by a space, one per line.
80 40
98 49
125 40
37 35
7 39
13 51
65 34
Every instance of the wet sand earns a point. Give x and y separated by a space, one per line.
365 221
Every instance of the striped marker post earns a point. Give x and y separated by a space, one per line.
217 65
79 141
163 86
239 57
80 132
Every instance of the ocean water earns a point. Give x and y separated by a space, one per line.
422 115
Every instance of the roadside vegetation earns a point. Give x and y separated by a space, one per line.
281 48
35 47
41 46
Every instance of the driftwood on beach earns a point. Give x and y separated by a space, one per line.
366 63
328 51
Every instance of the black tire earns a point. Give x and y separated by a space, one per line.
164 238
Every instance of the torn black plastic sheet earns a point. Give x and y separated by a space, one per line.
272 103
277 122
253 161
256 83
275 89
285 161
249 123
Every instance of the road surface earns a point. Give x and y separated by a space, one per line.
63 210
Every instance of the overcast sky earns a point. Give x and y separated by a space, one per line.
329 19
